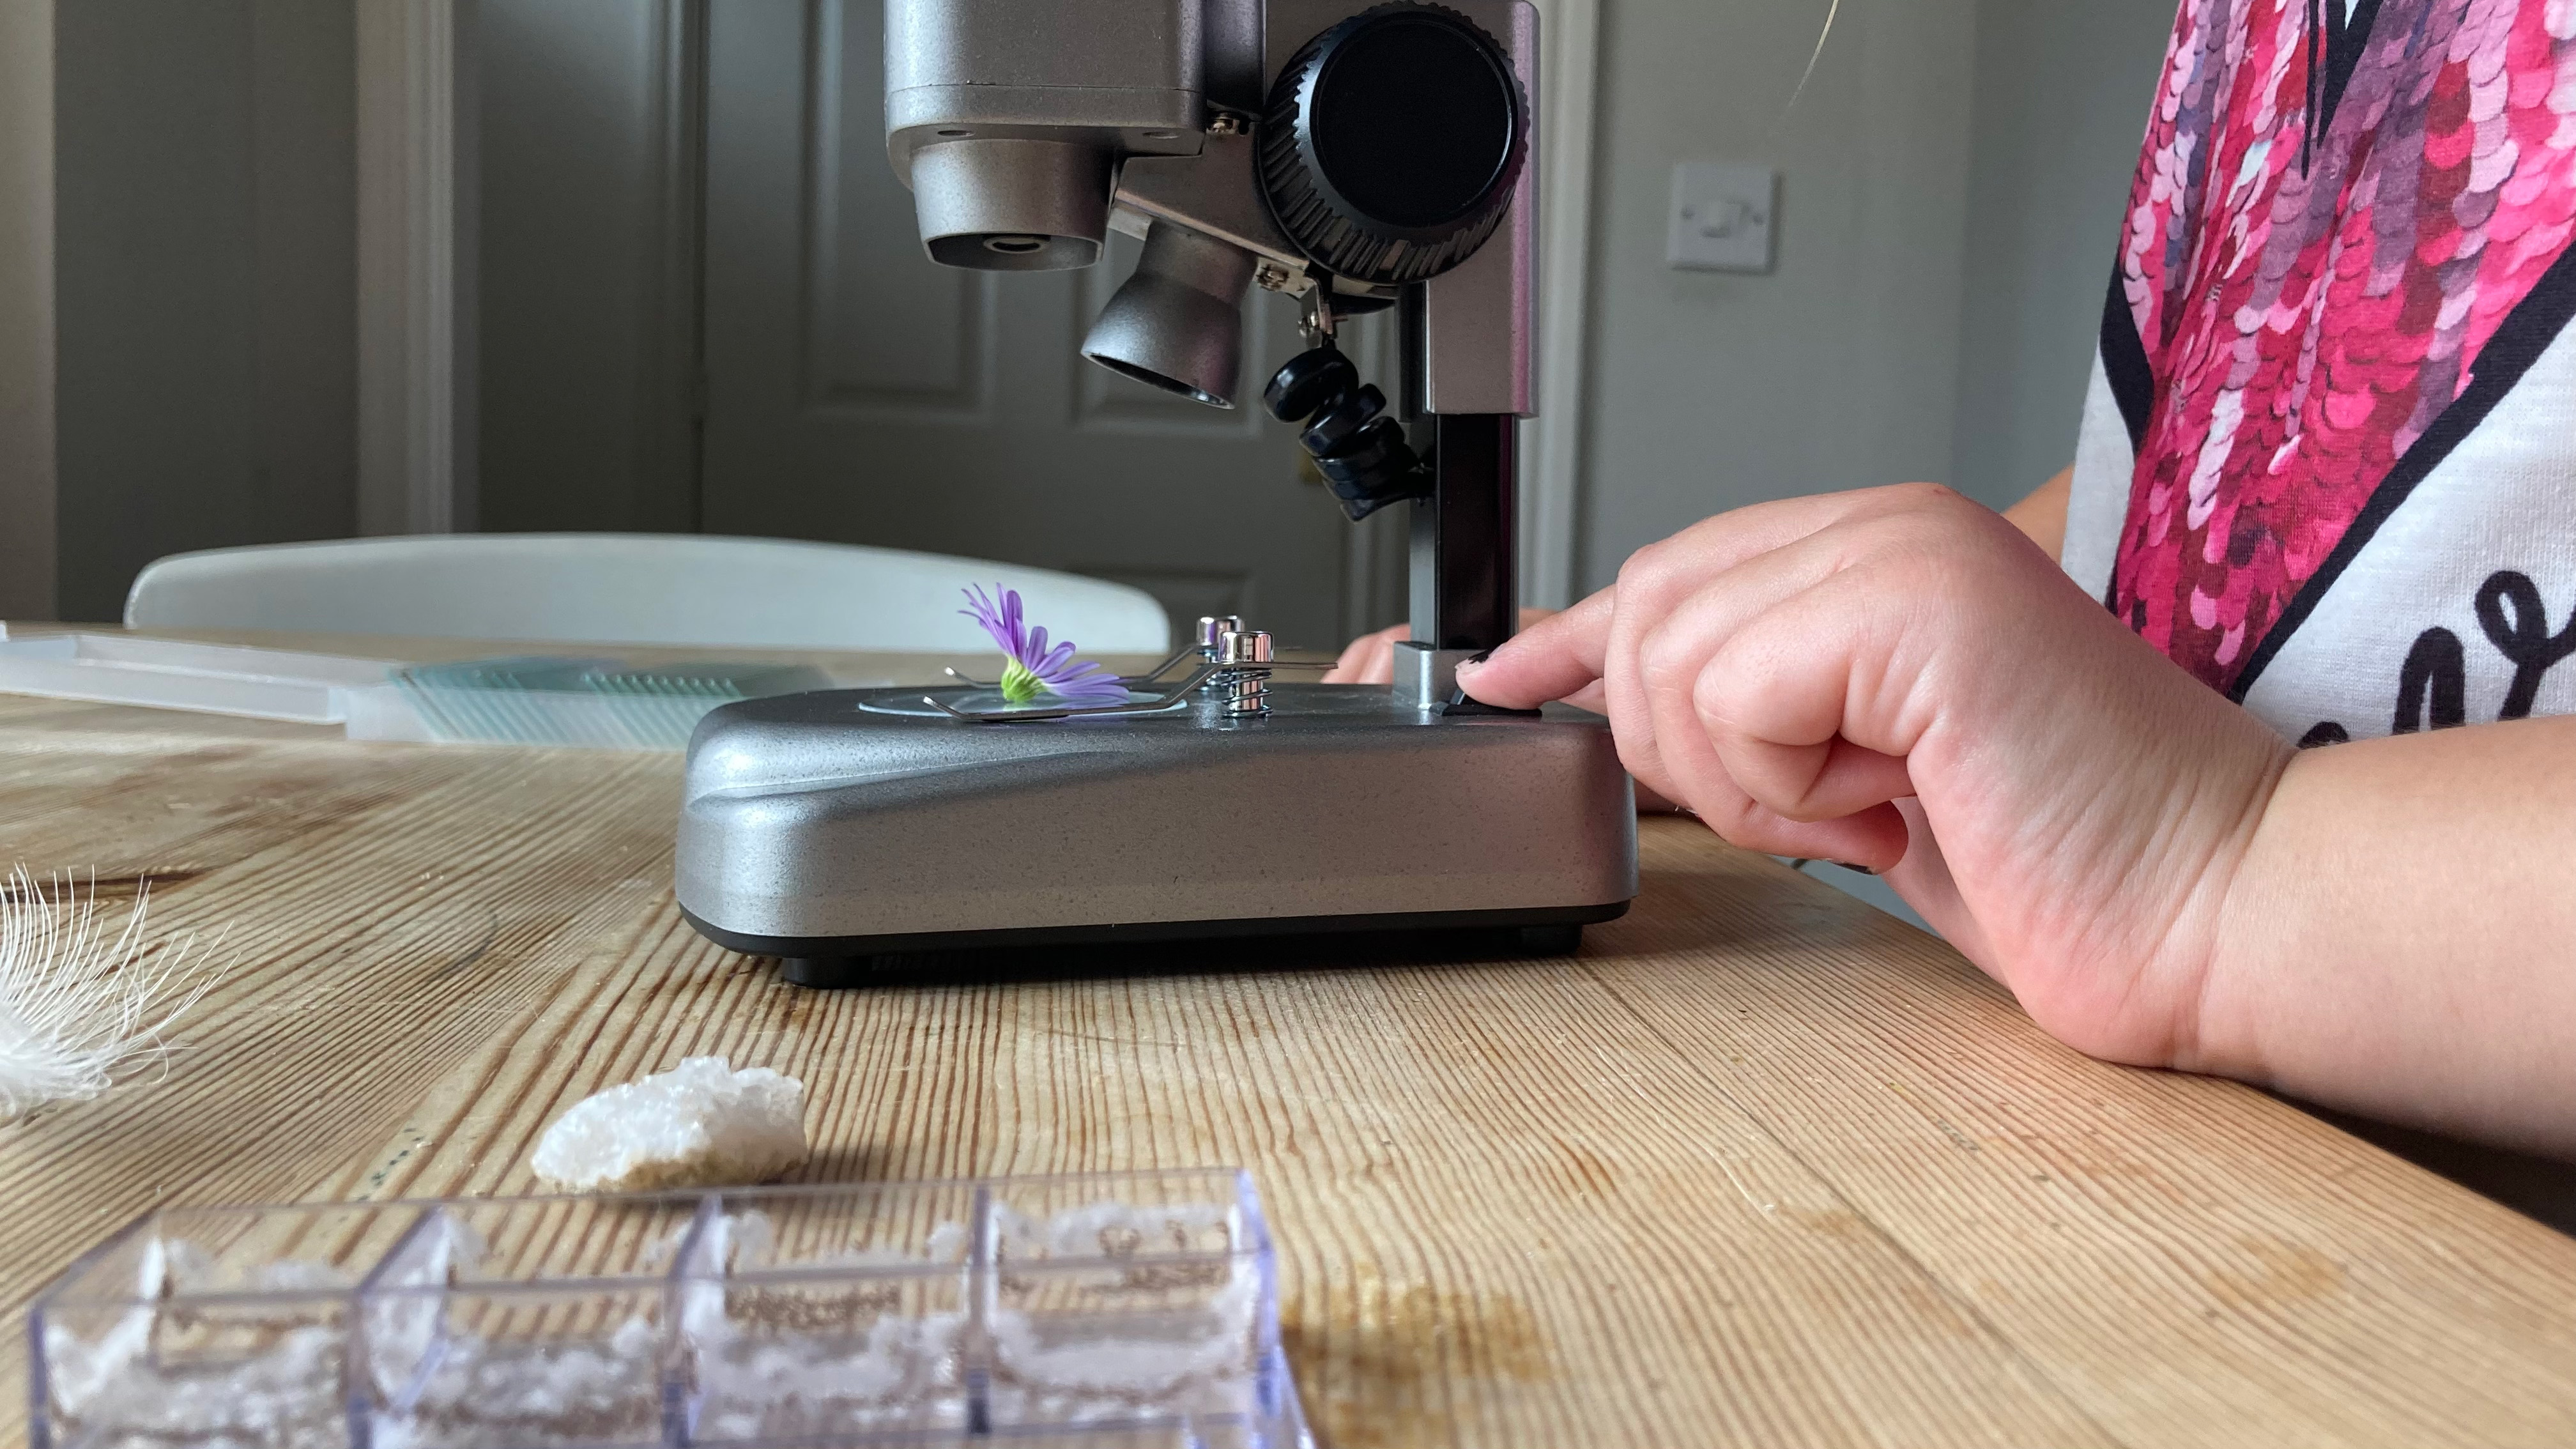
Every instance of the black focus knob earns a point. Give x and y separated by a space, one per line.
1360 451
1308 381
1392 142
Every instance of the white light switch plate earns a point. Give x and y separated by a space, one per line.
1721 218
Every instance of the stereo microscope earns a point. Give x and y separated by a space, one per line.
1358 159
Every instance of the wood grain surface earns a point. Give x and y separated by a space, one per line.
1760 1167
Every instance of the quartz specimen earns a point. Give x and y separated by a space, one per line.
701 1124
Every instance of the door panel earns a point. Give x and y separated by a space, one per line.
858 392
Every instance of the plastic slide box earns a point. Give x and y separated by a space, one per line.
1130 1311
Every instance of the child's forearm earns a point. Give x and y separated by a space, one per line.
2042 516
2400 938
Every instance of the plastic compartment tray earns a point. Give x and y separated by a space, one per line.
593 703
175 674
603 703
1130 1311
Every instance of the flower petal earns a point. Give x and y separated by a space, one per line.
981 610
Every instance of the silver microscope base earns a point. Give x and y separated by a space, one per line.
829 829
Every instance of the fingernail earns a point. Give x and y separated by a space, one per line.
1854 869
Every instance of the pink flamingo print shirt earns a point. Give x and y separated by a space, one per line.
2329 457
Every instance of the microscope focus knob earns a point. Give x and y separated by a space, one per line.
1392 143
1309 380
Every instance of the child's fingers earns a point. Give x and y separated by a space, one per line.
1638 653
1874 839
1682 684
1659 665
1805 705
1657 578
1663 578
1808 793
1553 658
1370 659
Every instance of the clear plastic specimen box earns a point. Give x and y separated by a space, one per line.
604 703
1129 1311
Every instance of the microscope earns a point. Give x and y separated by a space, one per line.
1359 160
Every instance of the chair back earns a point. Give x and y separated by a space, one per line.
595 588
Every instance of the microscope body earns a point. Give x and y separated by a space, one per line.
1025 134
1358 158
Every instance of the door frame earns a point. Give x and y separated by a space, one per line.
27 355
417 194
1552 469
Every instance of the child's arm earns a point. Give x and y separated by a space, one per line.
1902 680
2401 936
2042 516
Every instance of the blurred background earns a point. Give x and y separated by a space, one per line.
288 269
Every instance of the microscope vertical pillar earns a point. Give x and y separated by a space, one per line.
1465 596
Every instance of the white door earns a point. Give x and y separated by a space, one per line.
857 392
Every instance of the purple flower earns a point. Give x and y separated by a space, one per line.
1035 669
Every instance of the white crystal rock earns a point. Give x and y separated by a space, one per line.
701 1124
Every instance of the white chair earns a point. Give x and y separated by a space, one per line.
608 588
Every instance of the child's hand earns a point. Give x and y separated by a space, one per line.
1370 658
2073 804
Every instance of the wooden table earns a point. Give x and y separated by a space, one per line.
1761 1167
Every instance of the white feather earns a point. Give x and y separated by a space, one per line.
78 1005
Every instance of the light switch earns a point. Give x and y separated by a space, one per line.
1722 217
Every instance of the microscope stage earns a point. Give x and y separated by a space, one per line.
854 824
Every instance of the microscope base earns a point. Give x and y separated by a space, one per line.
839 830
864 960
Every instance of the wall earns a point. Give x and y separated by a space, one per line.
26 310
1708 391
205 281
2062 98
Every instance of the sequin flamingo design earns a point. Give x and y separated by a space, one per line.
2314 264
